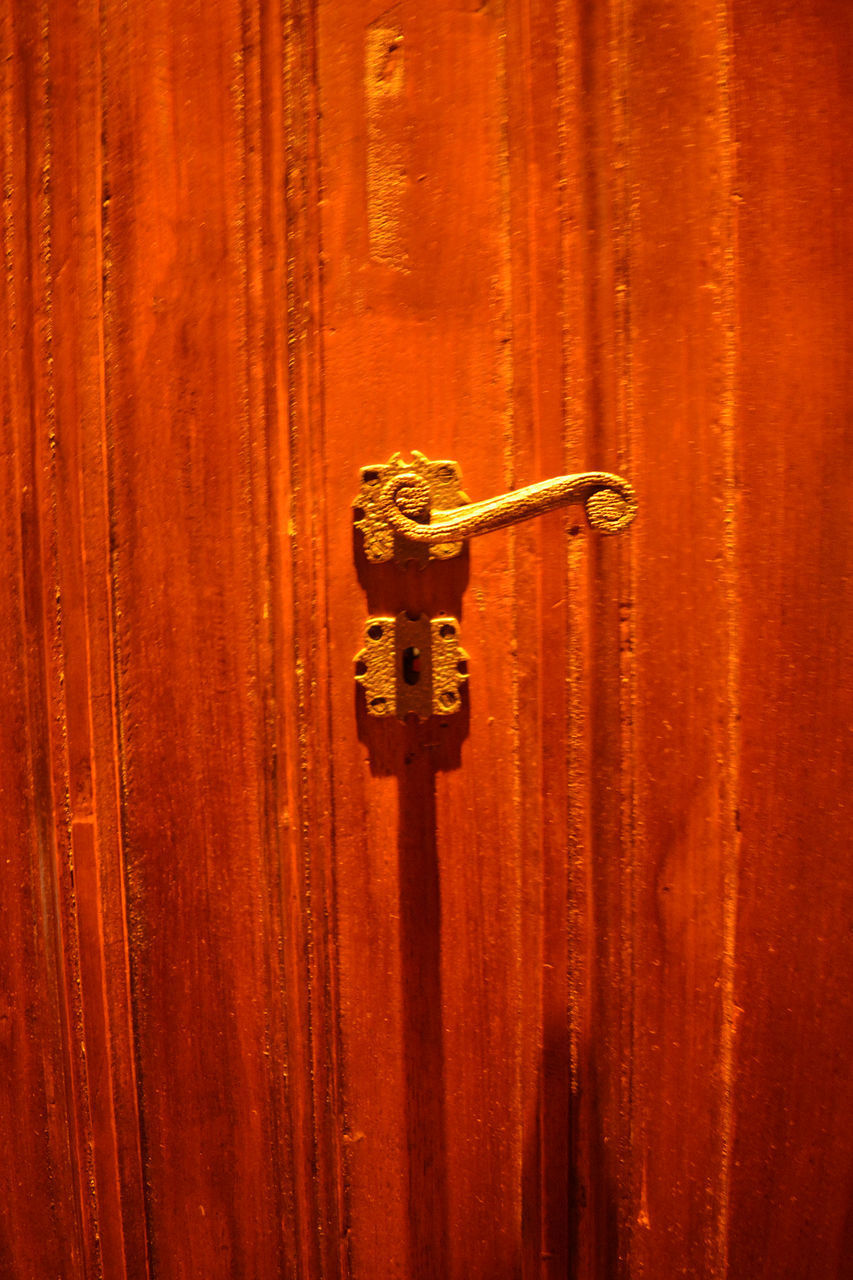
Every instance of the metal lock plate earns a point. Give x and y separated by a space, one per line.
412 666
381 542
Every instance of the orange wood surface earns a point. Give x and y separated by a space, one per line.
558 987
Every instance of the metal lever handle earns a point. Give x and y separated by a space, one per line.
417 510
405 503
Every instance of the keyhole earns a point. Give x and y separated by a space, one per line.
411 665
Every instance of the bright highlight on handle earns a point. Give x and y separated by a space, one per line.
405 502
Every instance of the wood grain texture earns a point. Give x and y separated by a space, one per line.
683 702
49 1217
200 872
560 987
417 326
84 585
791 1153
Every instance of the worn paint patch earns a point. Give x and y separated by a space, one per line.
386 170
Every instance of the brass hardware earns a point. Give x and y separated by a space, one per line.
417 510
412 665
440 480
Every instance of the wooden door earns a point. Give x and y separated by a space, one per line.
559 986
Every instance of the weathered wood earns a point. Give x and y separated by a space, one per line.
192 678
45 1218
560 986
792 1107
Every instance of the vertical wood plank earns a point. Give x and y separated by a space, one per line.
599 917
49 1221
791 1160
83 567
417 333
192 672
305 607
650 151
542 148
679 301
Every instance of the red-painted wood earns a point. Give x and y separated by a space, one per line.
48 1221
559 987
791 1161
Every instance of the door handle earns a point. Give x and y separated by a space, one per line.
404 508
415 511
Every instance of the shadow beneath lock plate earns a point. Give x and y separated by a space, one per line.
415 752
